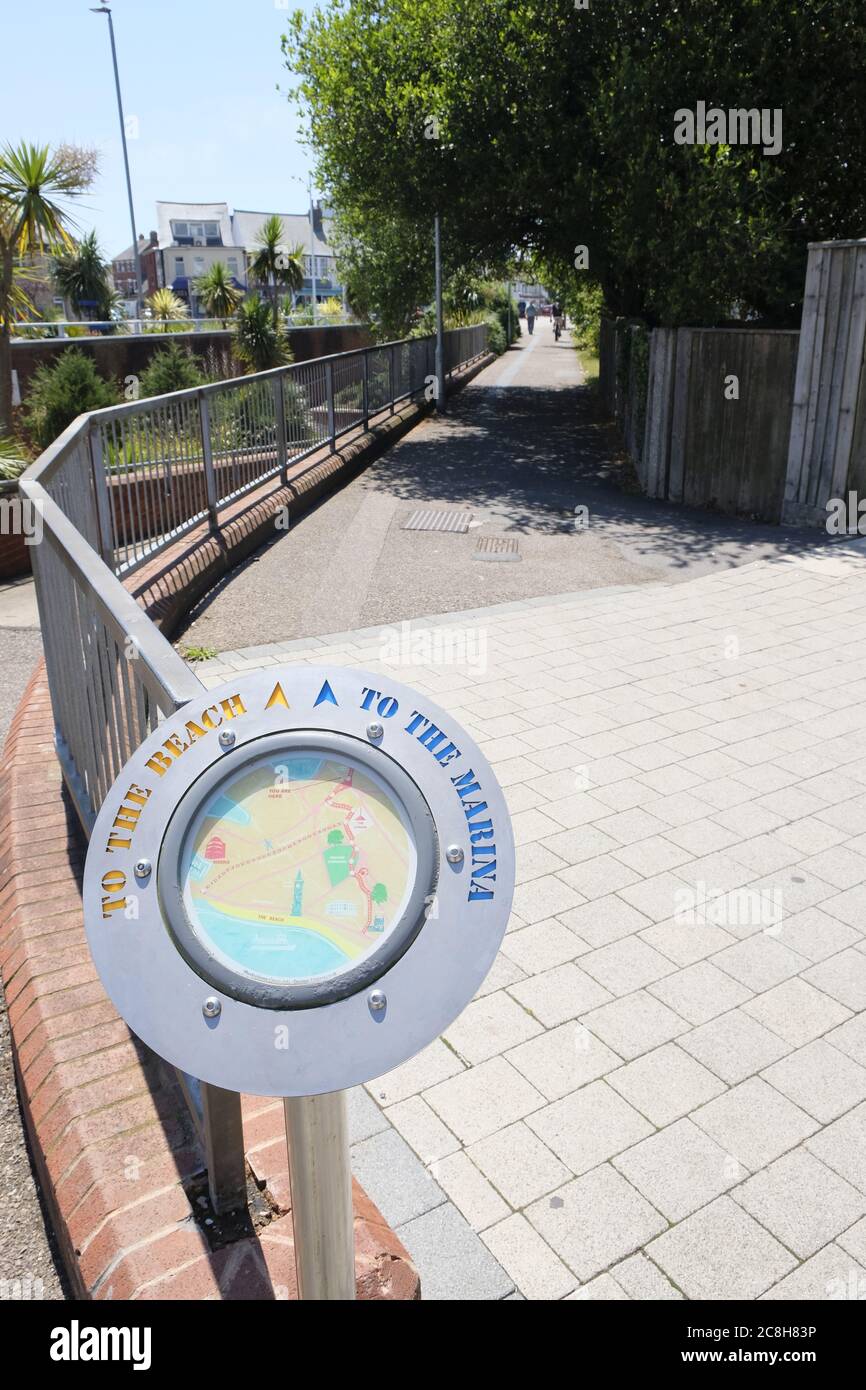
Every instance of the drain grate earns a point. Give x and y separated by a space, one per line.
496 548
428 519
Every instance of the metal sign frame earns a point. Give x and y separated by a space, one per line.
245 1037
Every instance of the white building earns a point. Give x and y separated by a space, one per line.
192 236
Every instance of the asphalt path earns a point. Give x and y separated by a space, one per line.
522 447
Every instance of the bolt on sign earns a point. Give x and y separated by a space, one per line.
298 886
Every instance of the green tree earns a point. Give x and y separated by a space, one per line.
62 390
537 130
259 342
35 184
379 893
173 368
386 264
275 265
217 292
82 276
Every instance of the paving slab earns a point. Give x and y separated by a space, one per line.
674 1031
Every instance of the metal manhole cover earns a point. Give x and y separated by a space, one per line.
496 548
429 519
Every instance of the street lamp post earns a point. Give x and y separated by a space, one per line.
298 179
440 319
103 9
312 246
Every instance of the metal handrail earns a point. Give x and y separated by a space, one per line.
54 330
112 675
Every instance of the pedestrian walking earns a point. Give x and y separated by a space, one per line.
530 316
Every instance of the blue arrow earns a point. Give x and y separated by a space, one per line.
326 693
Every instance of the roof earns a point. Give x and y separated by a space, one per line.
296 230
129 253
166 213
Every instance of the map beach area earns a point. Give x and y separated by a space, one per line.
299 866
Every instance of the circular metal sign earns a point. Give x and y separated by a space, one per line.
301 884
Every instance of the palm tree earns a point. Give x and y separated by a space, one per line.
82 277
217 293
34 181
259 342
165 305
274 264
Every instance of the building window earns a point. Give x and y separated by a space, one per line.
178 266
198 265
233 266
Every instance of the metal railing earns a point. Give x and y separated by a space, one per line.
37 330
120 485
164 465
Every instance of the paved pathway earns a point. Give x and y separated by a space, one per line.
522 446
661 1090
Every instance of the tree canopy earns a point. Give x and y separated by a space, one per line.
536 128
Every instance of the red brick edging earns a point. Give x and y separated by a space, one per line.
113 1143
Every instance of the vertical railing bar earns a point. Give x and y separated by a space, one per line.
101 493
98 789
137 486
112 763
280 412
117 493
112 480
207 452
181 473
168 471
152 478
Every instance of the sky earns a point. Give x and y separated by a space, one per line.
205 122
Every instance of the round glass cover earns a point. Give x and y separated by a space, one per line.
297 867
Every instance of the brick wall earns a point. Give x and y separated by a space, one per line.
118 357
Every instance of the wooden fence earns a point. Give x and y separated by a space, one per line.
790 438
827 454
705 412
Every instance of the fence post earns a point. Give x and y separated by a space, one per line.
224 1147
391 381
329 381
207 454
366 388
101 496
280 412
217 1117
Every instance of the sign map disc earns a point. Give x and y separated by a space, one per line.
297 886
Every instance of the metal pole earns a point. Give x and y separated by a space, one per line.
312 249
138 280
440 326
317 1133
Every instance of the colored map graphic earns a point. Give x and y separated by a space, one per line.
298 868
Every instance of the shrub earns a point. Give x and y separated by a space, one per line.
13 458
171 369
496 339
63 390
259 343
